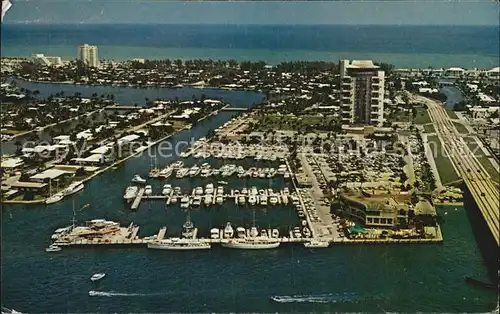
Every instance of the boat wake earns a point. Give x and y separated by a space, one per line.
94 293
319 298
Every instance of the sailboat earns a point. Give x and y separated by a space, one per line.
188 228
54 198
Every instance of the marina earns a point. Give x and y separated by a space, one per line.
101 232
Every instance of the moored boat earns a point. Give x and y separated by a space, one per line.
251 244
316 244
179 244
54 198
137 179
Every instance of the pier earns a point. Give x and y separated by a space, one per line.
286 240
138 198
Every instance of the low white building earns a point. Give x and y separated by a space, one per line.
454 72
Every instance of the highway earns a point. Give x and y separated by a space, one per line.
484 191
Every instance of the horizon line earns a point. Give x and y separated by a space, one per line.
246 24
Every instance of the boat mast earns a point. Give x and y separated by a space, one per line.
73 220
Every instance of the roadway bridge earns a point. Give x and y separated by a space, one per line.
123 107
233 109
484 191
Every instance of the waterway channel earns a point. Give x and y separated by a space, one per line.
342 278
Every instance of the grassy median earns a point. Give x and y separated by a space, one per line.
445 168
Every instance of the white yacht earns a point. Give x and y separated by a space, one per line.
177 164
148 190
240 232
154 173
316 244
194 171
306 232
98 276
219 199
137 179
185 202
228 231
251 244
220 190
205 173
263 200
214 233
130 193
196 200
188 228
53 248
179 244
254 232
252 200
54 198
273 200
167 189
275 233
241 200
165 173
209 189
208 200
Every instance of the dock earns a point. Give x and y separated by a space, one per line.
137 199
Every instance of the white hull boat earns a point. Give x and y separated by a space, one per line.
251 244
179 245
97 277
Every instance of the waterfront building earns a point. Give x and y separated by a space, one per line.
40 58
88 54
362 93
454 72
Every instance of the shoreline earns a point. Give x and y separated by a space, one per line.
116 163
191 85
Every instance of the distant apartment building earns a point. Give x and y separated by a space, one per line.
362 93
40 58
88 54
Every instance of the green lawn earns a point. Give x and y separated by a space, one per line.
422 116
460 128
400 116
452 114
429 128
445 167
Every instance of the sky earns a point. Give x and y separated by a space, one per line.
396 12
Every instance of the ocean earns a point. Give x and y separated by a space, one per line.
357 278
404 46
